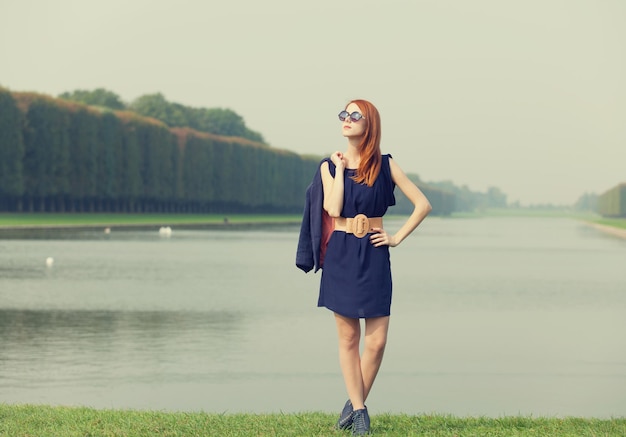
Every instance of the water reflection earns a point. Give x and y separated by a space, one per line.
43 348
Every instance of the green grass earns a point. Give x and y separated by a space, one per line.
94 219
615 222
44 421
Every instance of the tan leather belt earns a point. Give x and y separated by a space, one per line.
359 225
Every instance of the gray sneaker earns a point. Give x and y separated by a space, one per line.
345 419
360 422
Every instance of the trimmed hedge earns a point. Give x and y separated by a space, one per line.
57 155
612 203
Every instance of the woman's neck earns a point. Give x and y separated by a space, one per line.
352 155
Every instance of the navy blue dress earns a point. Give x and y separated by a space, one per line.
356 276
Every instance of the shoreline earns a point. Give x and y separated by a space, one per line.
106 228
129 222
611 230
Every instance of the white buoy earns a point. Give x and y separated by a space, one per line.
165 231
49 261
107 230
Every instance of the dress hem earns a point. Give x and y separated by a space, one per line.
350 316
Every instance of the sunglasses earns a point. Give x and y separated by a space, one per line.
354 117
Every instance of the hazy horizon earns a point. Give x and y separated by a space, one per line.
527 97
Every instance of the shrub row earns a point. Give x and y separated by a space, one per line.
61 156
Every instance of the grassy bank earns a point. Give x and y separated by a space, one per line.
42 421
112 220
614 222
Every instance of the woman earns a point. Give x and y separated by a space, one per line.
358 187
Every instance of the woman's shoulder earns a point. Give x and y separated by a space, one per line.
326 164
386 164
387 159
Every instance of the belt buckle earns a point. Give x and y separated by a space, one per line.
360 225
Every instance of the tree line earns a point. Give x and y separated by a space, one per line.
62 156
219 121
57 155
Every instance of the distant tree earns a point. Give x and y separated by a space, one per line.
225 122
83 160
47 156
97 97
465 199
587 202
495 198
443 200
216 120
110 138
156 106
11 149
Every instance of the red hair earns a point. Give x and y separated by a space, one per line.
369 148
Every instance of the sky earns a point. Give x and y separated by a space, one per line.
526 96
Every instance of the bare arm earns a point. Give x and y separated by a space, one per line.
333 187
421 208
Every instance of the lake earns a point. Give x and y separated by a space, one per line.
490 316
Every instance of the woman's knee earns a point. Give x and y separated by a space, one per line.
348 332
376 343
349 338
376 334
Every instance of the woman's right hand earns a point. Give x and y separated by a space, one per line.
339 160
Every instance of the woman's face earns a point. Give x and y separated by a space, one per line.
351 128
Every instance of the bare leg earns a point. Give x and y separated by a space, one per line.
376 330
359 372
349 335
